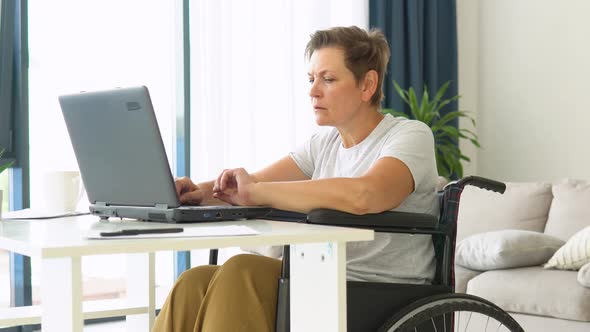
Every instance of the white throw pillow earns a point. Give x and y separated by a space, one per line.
505 249
523 206
574 253
570 209
584 275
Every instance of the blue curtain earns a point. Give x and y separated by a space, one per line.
422 35
14 124
6 76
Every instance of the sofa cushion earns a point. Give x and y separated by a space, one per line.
522 206
505 249
584 275
533 290
574 253
570 209
462 277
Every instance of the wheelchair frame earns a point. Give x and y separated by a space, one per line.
370 304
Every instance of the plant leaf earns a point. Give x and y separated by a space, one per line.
463 157
5 166
446 102
469 131
401 92
452 132
450 155
414 107
441 166
425 113
441 91
450 116
427 110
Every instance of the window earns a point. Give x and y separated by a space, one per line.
97 45
249 85
4 189
249 103
92 45
4 260
249 97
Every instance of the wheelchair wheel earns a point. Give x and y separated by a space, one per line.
451 312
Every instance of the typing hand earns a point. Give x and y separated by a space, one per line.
188 192
233 186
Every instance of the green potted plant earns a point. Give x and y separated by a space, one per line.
2 168
446 136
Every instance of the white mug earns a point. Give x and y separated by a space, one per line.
62 190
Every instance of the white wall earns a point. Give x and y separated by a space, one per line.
530 88
467 30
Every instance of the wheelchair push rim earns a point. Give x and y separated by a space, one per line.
452 312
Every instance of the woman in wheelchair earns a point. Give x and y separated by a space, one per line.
363 162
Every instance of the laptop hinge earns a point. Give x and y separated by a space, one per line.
100 204
162 206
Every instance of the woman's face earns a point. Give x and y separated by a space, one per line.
335 94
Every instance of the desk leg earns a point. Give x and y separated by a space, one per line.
61 295
318 287
141 288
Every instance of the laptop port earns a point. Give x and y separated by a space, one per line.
218 215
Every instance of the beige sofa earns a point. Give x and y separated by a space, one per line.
504 241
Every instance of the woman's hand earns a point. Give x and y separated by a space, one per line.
188 192
233 186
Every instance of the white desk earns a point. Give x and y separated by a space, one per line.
318 269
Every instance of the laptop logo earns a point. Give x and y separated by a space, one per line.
133 106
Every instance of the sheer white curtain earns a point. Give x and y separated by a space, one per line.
89 45
249 97
92 45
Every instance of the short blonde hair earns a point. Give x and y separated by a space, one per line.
363 51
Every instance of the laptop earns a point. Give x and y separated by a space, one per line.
123 163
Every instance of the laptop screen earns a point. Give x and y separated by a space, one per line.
119 148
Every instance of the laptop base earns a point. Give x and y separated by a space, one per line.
183 214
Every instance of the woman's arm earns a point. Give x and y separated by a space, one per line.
383 187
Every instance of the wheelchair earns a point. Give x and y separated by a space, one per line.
391 307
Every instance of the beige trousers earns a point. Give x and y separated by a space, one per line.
240 295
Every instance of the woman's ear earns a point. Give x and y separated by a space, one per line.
369 85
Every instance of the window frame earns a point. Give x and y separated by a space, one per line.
14 109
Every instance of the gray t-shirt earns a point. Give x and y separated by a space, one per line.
401 258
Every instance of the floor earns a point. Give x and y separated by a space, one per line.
4 280
101 282
94 288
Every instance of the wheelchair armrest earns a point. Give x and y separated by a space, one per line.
482 183
388 221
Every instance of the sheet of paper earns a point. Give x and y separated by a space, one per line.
231 230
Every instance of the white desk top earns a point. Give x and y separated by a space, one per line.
66 237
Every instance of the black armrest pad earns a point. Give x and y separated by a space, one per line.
392 219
